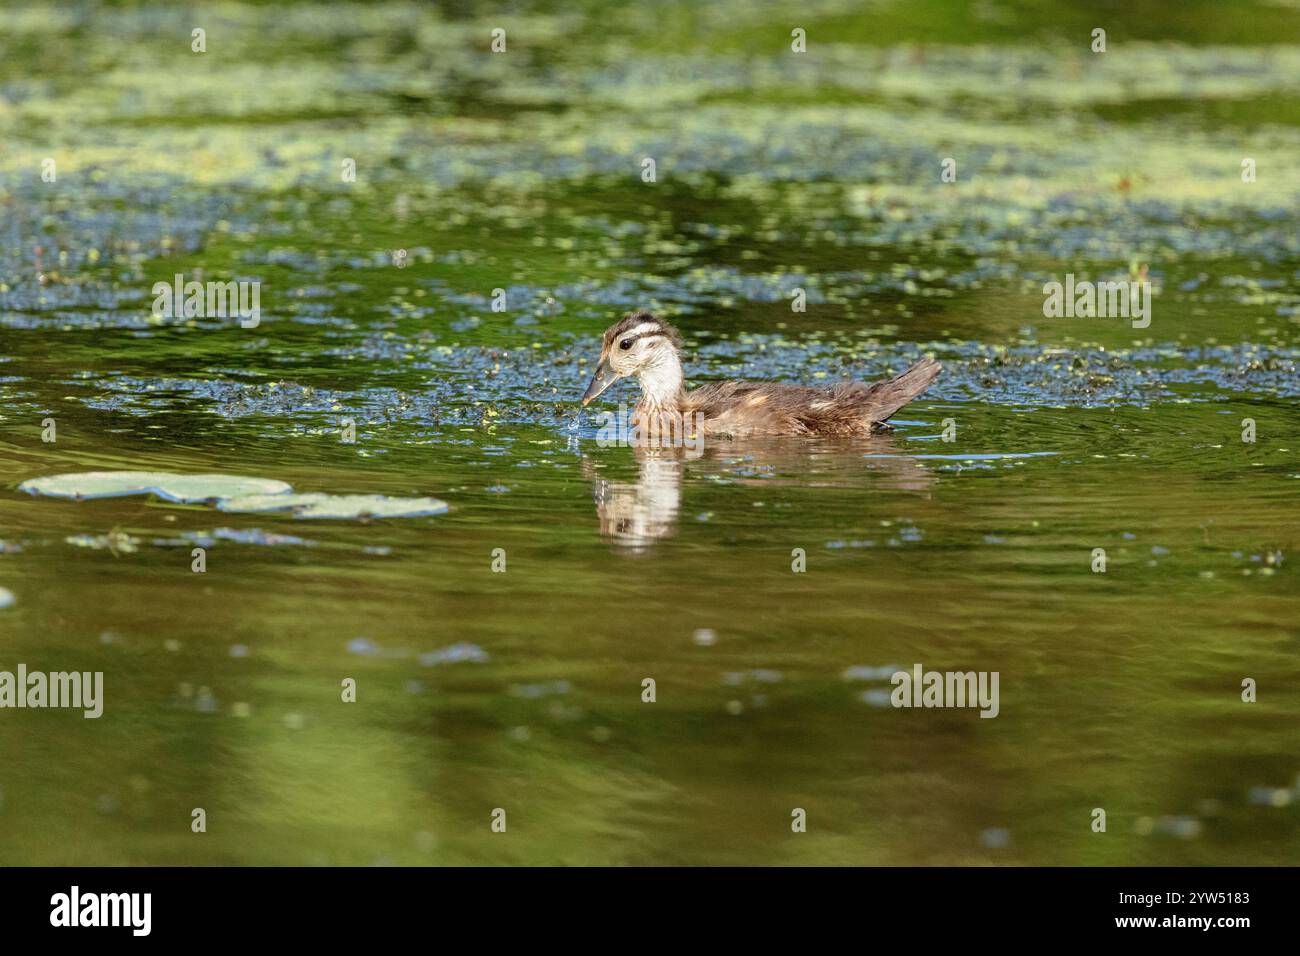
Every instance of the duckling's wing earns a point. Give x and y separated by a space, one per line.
752 408
773 408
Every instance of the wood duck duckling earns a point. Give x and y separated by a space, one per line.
647 347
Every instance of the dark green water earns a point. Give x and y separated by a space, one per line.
522 171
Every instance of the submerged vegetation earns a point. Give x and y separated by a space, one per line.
440 233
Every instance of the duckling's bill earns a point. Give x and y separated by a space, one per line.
605 377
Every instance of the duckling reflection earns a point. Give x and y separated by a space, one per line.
635 514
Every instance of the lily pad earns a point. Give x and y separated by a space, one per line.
336 506
182 489
232 493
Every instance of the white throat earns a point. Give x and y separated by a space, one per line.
661 382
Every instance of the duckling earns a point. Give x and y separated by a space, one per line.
647 347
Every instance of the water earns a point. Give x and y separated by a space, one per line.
522 688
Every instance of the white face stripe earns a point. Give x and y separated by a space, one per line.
643 329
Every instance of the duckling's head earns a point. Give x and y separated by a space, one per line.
641 345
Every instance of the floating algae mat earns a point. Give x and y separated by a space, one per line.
232 493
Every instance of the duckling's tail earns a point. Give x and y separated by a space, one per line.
889 396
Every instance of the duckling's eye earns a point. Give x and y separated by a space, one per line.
625 344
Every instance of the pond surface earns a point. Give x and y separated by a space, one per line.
965 539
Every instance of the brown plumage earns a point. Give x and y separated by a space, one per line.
647 347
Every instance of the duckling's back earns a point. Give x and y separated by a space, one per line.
741 409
